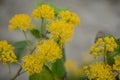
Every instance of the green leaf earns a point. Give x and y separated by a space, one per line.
56 9
20 48
41 3
44 75
117 77
110 56
118 41
58 68
109 35
35 33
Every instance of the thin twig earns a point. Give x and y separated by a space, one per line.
33 50
10 71
18 73
20 69
26 38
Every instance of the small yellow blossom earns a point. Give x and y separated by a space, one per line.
70 17
49 51
61 31
6 53
75 19
32 64
65 15
116 66
46 51
22 22
85 67
95 55
79 73
106 44
110 44
99 71
44 11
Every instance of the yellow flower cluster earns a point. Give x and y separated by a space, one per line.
46 51
116 66
32 64
99 71
107 44
70 17
60 30
44 11
6 53
110 44
22 22
49 51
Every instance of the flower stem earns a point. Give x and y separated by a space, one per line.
26 38
20 69
42 30
17 74
48 69
63 53
9 68
105 54
23 72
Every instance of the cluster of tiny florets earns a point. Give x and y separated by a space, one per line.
46 51
99 71
44 11
116 66
107 44
32 64
49 50
70 17
21 22
61 31
6 53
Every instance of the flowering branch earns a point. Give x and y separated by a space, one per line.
17 74
20 69
54 23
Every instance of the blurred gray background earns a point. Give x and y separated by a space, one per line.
95 15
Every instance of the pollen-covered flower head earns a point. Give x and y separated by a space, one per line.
21 22
61 31
116 66
103 44
70 17
99 71
49 51
6 53
32 64
44 11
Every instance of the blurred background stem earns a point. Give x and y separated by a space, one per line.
9 68
27 41
105 54
42 30
26 38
